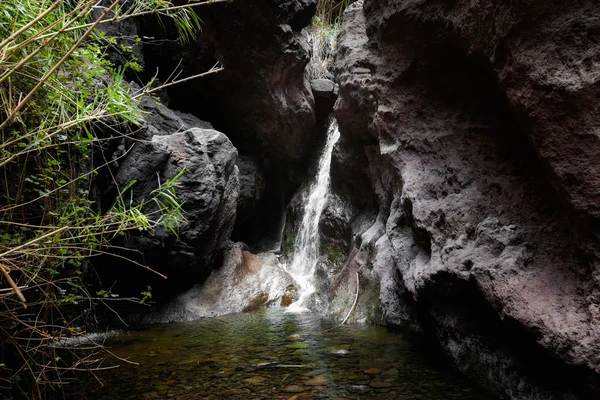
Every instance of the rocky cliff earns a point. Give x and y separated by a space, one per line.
261 99
478 124
261 104
464 182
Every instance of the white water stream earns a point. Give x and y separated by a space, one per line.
306 253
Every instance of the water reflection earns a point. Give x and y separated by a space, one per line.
273 355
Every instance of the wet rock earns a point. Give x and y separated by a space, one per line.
300 396
360 389
340 352
245 282
372 371
316 381
223 374
294 389
258 302
380 385
297 345
289 296
475 125
256 380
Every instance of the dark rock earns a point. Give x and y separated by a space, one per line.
261 98
472 127
252 187
161 120
323 91
208 190
244 282
323 88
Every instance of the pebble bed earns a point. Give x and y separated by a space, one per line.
274 355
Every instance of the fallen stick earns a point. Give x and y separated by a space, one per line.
13 285
351 309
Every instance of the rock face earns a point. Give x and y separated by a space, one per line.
261 99
325 93
208 190
252 187
245 282
323 88
478 122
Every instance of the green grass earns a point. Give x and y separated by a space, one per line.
322 36
329 12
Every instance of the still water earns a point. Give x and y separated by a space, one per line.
274 355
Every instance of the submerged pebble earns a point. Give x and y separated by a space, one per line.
360 389
273 355
294 389
372 371
255 380
318 381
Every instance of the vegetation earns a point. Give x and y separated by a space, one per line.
330 12
322 36
62 105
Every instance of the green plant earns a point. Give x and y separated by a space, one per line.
322 36
61 104
329 12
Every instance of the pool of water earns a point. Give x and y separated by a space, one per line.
273 355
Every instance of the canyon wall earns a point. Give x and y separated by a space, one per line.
464 184
478 122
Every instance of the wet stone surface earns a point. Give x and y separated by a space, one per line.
272 355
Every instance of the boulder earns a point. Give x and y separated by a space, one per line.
244 282
471 124
325 93
323 88
208 191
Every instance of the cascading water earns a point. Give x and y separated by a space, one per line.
306 253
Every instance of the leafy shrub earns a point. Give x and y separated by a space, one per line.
330 12
61 104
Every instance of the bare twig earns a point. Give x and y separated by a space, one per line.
39 48
31 242
349 312
66 184
44 79
29 25
13 285
213 70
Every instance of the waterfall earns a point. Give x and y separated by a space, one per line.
306 253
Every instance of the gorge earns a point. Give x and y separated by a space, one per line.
436 185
